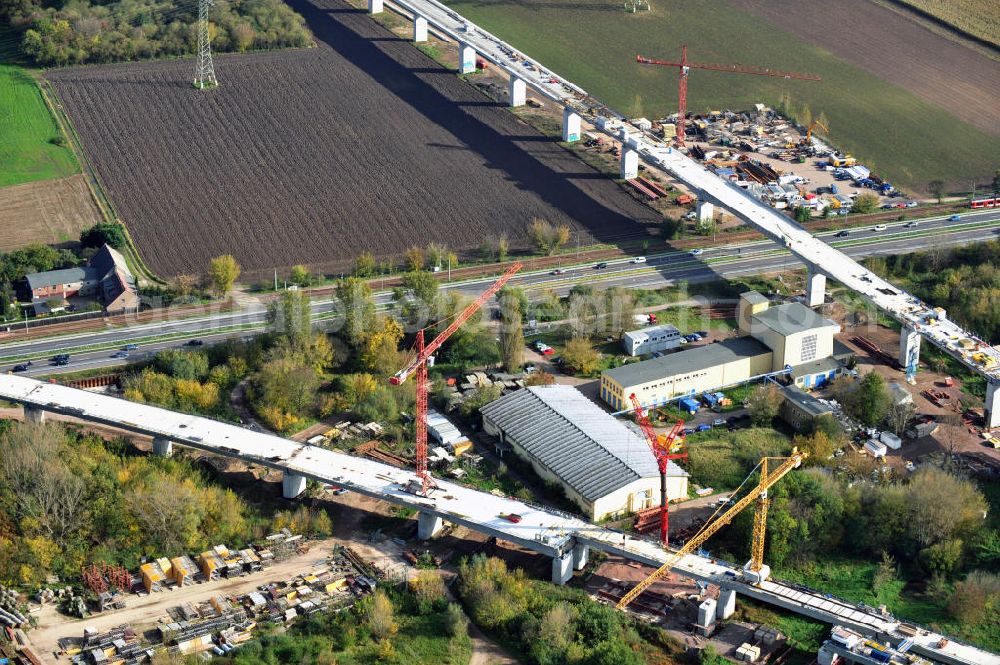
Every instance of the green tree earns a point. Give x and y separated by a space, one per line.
803 214
870 402
354 297
422 286
300 275
580 356
764 403
223 271
621 310
290 316
415 260
364 265
865 203
511 331
671 229
936 188
379 615
942 507
104 233
455 621
182 364
547 237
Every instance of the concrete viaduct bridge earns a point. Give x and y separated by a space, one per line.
565 538
918 319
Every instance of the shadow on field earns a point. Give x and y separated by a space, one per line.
362 42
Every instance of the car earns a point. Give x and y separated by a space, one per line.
130 347
888 206
194 342
696 252
61 359
23 367
691 338
557 271
955 218
843 212
337 491
683 340
120 354
704 427
899 205
547 351
61 362
718 422
910 225
539 345
879 227
601 266
639 259
912 204
511 517
842 234
530 368
703 333
688 430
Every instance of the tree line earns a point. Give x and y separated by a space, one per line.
70 33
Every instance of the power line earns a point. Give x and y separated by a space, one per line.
204 71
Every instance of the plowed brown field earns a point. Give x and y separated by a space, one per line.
314 156
45 211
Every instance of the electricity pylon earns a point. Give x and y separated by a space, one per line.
204 71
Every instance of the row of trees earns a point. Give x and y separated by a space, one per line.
57 34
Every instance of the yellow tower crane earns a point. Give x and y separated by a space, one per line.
758 494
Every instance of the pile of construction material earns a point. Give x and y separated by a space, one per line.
10 613
455 392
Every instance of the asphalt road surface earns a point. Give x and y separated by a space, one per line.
94 349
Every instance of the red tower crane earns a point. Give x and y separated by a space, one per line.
664 451
418 366
684 67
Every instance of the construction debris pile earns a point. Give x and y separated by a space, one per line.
220 623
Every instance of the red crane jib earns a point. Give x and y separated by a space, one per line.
663 456
419 367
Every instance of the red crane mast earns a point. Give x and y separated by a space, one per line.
663 452
418 366
684 67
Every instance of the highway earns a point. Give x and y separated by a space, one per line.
564 537
94 349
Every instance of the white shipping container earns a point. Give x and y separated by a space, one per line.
875 448
890 440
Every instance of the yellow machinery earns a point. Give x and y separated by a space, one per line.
759 494
809 131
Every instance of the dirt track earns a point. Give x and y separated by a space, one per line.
47 211
314 156
896 49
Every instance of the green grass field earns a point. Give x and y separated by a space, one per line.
26 133
976 17
594 44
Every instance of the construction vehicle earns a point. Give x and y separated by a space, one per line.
418 366
665 448
684 67
755 570
809 132
843 161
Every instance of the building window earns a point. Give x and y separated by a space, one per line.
809 347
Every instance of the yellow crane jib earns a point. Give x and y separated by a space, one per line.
759 494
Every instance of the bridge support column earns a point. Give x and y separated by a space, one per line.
991 410
629 164
466 58
726 605
581 554
518 91
705 211
562 568
292 485
162 446
419 28
428 526
375 6
32 414
815 288
909 352
570 126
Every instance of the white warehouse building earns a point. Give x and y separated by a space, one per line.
651 340
603 465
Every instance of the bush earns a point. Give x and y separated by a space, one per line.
105 233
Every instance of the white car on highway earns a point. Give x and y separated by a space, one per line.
696 252
639 259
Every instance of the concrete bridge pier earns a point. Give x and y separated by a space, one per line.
815 288
705 211
570 126
375 6
562 568
162 446
518 91
428 525
292 485
909 351
419 28
581 554
466 58
727 604
629 164
991 410
32 414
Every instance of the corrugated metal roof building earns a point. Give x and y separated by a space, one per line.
604 466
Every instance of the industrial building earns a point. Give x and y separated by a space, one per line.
651 340
800 409
789 336
603 465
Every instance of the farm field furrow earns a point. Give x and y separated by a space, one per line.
896 49
594 43
46 211
314 156
976 17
